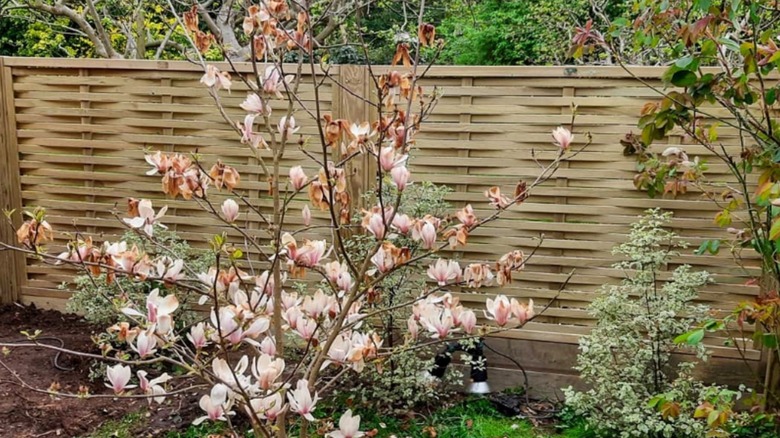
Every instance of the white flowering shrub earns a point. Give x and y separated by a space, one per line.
99 300
625 360
291 311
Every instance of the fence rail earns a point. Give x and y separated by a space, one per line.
73 134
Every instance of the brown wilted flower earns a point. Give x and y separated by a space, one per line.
203 43
334 128
512 261
191 19
224 175
132 207
496 199
402 55
521 191
33 233
477 275
426 34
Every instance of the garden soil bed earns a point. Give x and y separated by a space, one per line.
26 414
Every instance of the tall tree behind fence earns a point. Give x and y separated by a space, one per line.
73 134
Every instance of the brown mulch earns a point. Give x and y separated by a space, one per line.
27 414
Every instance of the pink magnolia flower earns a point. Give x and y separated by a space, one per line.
287 127
254 104
306 215
214 404
305 327
383 260
468 321
267 370
400 176
298 177
444 271
437 321
344 281
376 225
499 310
215 78
146 217
309 255
233 378
562 137
301 400
412 327
158 310
230 210
268 407
248 135
273 82
343 352
170 270
159 161
315 305
268 346
523 312
154 386
229 328
348 426
428 235
402 223
146 344
197 335
388 159
119 376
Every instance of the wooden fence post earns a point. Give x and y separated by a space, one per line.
12 264
352 103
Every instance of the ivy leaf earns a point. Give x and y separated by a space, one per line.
684 78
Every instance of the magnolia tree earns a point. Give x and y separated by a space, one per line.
265 351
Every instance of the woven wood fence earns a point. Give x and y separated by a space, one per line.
73 133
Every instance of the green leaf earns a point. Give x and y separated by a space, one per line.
769 340
684 78
712 417
695 337
714 246
683 338
771 95
684 62
774 232
648 134
731 44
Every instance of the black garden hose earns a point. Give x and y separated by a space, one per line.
56 358
543 415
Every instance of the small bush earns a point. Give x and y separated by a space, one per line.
626 358
100 300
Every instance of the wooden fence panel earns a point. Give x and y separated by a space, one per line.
13 273
80 128
83 127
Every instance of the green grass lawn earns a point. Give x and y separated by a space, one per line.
472 418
